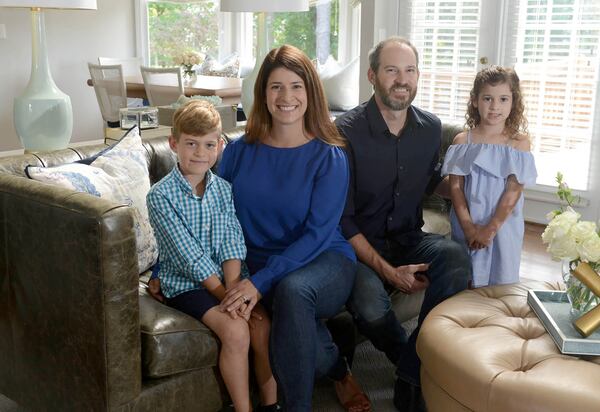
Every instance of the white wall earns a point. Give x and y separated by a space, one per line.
74 37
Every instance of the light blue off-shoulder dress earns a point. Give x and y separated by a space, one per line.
486 168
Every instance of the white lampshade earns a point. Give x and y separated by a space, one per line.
51 4
267 6
43 115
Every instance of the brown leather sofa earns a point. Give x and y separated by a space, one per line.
77 328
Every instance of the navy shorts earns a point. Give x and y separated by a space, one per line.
194 302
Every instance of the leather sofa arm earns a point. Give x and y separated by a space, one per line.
69 315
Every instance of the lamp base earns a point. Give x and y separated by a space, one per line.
262 49
43 115
43 122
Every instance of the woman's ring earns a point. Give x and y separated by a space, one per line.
246 299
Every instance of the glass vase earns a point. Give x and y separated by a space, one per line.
581 298
189 74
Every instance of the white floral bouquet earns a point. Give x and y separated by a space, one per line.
567 237
188 59
573 241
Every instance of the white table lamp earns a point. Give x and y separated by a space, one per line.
43 114
262 7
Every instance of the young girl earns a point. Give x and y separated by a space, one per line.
488 166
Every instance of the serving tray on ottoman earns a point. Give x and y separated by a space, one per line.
554 311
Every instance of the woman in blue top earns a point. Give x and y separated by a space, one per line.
289 177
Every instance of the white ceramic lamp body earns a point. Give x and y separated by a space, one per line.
261 52
43 114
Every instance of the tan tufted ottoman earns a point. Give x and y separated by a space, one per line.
485 350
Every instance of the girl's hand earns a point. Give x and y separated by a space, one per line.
485 235
243 293
470 232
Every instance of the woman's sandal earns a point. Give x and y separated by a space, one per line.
352 398
269 408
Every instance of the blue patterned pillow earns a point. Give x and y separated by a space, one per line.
120 174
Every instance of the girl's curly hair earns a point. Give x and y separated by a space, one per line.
516 123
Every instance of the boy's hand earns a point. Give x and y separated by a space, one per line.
240 312
154 290
254 316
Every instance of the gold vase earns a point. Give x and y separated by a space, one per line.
581 297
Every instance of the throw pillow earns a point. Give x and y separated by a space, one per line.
118 173
341 86
229 67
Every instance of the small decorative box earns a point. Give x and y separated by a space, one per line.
143 117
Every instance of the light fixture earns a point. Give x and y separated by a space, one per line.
262 7
43 115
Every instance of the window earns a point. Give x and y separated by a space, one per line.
166 27
315 32
446 33
552 44
177 26
557 59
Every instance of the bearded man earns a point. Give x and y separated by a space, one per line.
393 152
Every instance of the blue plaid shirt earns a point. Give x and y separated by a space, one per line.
195 234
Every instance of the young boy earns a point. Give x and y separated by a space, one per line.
201 247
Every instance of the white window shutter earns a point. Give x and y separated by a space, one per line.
446 34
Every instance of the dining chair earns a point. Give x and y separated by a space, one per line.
111 94
131 65
163 85
131 68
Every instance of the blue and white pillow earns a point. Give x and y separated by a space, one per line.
120 174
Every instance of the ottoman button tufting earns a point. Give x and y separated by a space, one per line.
485 350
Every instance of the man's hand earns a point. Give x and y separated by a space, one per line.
154 290
407 278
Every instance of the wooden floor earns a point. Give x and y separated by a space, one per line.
536 263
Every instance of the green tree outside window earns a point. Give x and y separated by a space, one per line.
175 27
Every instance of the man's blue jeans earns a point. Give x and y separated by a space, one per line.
301 346
449 272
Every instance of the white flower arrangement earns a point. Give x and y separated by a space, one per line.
567 237
573 241
188 59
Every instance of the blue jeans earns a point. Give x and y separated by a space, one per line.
449 272
301 347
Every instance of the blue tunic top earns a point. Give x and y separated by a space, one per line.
486 168
289 202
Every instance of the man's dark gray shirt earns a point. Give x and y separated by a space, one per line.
389 174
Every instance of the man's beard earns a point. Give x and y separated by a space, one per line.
394 104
